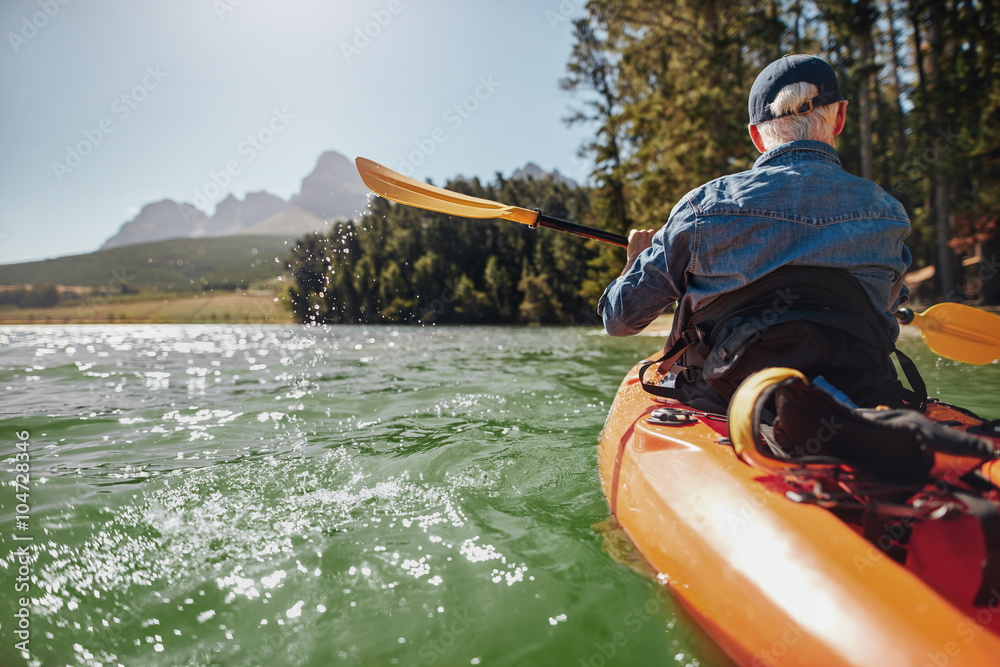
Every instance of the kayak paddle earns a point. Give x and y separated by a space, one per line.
405 190
958 332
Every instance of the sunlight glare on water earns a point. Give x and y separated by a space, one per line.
351 495
266 495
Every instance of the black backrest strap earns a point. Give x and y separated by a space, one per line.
917 395
687 338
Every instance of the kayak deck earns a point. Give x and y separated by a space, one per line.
771 580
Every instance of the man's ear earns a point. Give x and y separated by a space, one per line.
755 136
838 123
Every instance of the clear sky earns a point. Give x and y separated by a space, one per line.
108 105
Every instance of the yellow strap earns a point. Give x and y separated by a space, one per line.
741 430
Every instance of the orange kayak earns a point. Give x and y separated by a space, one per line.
773 579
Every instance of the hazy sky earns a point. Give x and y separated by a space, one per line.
108 105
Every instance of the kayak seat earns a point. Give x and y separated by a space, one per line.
817 320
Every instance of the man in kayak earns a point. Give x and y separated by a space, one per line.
796 207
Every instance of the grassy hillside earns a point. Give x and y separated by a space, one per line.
175 265
208 308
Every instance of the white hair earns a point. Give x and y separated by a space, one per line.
817 124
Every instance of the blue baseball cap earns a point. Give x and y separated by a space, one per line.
788 70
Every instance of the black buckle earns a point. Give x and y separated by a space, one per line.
671 417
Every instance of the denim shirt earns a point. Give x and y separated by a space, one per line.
796 206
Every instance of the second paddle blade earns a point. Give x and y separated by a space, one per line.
961 332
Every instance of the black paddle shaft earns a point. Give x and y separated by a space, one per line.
579 230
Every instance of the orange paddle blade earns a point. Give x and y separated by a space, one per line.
960 332
405 190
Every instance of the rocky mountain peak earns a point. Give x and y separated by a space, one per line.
333 189
164 219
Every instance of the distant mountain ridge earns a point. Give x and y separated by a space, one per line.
332 191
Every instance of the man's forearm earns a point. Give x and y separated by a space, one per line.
622 315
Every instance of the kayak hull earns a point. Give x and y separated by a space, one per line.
772 581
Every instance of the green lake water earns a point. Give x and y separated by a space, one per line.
241 495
